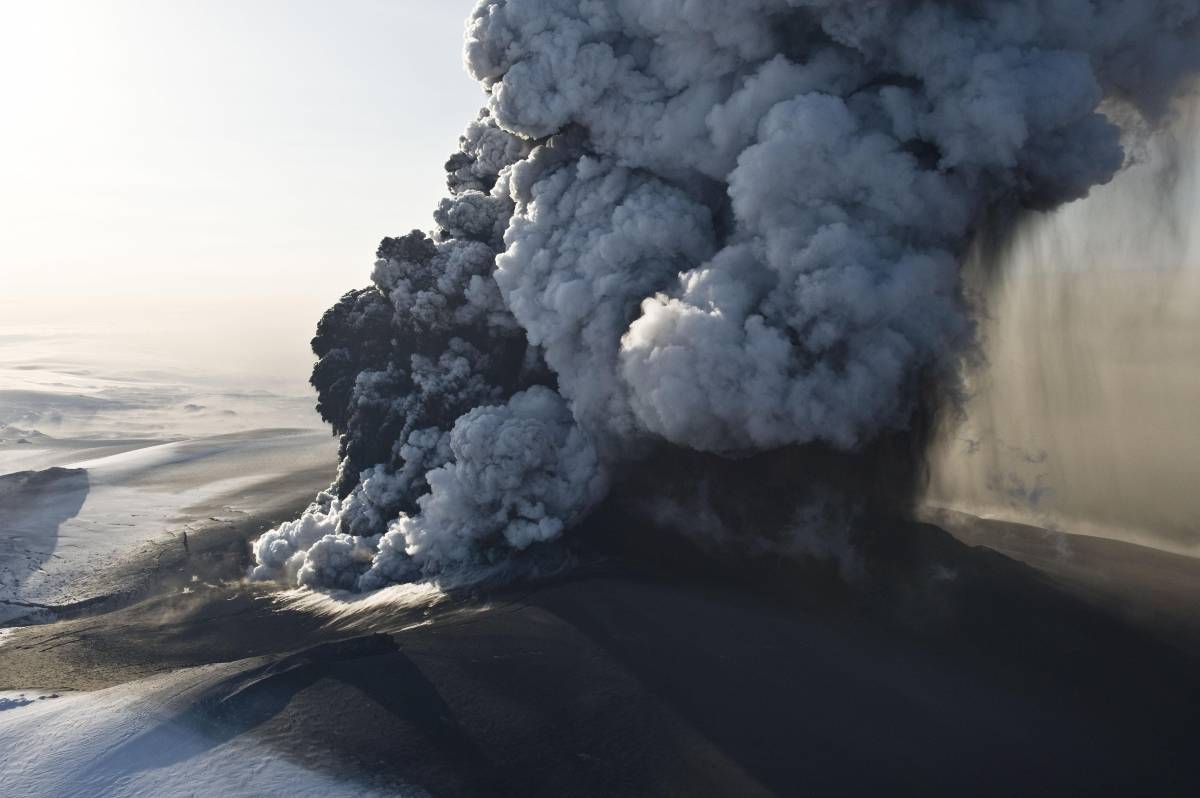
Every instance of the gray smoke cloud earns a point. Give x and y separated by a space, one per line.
724 226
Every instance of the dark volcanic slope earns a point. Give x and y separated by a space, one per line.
1148 586
953 670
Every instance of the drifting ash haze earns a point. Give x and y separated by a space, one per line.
1083 416
700 228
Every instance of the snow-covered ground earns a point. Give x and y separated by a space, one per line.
73 395
103 451
60 528
140 739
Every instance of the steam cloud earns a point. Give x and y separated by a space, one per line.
724 226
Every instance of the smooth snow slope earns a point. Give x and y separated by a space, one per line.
60 529
132 741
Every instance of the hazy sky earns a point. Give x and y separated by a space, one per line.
217 168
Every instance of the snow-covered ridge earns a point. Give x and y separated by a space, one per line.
133 740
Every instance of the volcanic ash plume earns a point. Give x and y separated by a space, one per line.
721 227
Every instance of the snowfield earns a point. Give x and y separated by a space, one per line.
135 741
106 450
60 528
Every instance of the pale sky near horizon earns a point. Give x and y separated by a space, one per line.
217 168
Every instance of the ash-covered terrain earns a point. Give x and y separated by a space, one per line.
778 406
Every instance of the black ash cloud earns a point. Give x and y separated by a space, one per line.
727 227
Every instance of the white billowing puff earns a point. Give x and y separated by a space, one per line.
336 561
279 553
587 242
290 551
844 251
520 473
